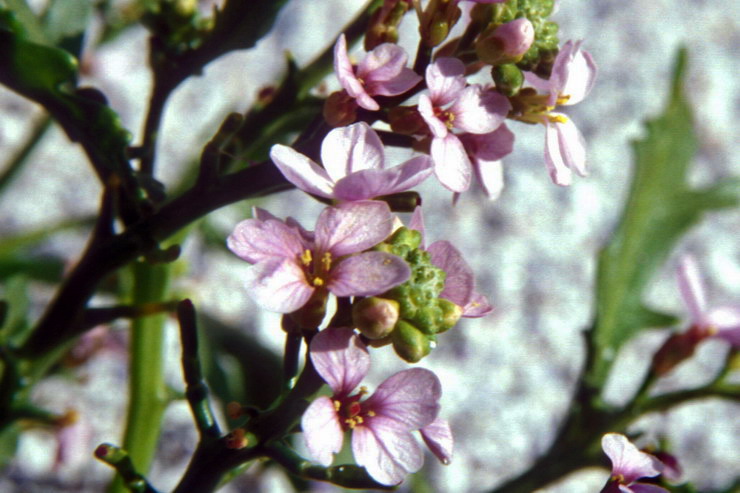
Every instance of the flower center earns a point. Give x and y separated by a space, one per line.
317 272
350 410
445 116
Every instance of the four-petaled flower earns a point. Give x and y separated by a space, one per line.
382 72
290 265
573 75
628 465
471 109
459 281
354 166
382 424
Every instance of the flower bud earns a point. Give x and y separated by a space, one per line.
451 313
375 317
508 79
383 25
506 43
340 109
406 120
676 349
409 343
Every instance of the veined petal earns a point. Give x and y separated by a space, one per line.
438 437
388 453
646 488
577 75
301 171
572 146
477 307
254 240
346 150
383 63
352 227
445 79
556 165
322 430
491 146
368 274
691 287
410 397
627 460
478 111
426 110
370 183
451 163
347 78
278 284
491 177
341 359
460 281
403 82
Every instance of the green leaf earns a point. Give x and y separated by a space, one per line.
15 325
65 23
661 207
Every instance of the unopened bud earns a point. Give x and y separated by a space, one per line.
406 120
236 439
375 317
340 109
676 349
234 410
506 43
438 18
383 26
508 79
451 313
410 343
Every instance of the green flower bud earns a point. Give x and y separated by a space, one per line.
508 79
409 343
375 317
451 313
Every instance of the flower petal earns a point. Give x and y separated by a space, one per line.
341 359
301 171
460 281
478 111
368 274
384 71
438 437
491 177
451 163
647 488
572 146
347 78
254 240
410 397
575 72
370 183
278 284
322 430
417 223
477 307
387 452
445 79
556 165
406 80
426 110
627 460
352 227
349 149
691 287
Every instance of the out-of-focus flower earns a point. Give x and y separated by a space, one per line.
460 281
382 424
354 166
573 75
628 465
450 104
382 72
289 268
485 152
723 322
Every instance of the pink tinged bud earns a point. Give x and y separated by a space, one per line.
507 43
375 317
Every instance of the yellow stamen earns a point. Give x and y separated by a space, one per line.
326 261
337 405
306 257
317 282
371 413
558 118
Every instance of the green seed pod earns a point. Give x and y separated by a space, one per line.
508 79
375 317
409 343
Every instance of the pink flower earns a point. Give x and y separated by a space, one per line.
289 267
460 281
485 152
354 166
382 424
573 75
471 109
382 72
723 322
628 465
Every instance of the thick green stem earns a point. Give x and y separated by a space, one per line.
147 391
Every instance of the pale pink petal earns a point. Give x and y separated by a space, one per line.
691 287
347 78
477 307
572 146
560 172
646 488
368 274
352 148
451 163
627 460
278 285
254 240
490 146
352 227
438 437
301 171
410 397
538 82
426 110
445 79
370 183
417 223
491 177
387 452
383 63
478 111
576 75
403 82
460 281
322 430
341 359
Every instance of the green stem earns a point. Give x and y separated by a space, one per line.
147 391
